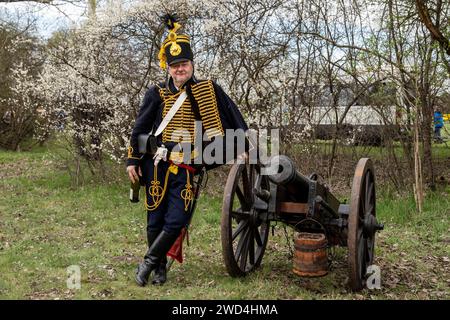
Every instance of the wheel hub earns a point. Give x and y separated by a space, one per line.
371 225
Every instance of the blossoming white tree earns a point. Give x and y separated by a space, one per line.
281 61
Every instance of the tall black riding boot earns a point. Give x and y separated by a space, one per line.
161 272
151 237
154 255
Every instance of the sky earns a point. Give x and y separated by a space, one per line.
50 17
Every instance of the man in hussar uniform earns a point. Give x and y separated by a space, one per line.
168 175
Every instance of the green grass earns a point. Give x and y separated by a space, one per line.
47 225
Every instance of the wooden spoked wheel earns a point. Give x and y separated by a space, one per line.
244 225
362 224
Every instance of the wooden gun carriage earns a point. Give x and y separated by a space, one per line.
253 199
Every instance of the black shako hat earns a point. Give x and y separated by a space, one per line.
176 47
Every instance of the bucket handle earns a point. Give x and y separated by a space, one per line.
313 220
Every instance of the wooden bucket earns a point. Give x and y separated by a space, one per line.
310 256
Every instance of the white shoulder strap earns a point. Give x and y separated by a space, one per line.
171 113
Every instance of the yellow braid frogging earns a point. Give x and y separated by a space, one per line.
156 191
187 194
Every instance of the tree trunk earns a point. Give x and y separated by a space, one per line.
92 6
418 182
427 120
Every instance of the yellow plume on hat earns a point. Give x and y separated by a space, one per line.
173 26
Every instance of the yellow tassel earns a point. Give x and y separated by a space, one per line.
162 58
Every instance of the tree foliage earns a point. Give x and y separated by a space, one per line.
20 61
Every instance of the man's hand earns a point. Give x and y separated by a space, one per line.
132 174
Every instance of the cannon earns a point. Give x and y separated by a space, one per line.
253 199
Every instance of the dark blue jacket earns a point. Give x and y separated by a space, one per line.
150 116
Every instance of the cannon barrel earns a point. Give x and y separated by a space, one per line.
285 173
299 188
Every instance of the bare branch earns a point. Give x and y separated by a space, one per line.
436 33
38 1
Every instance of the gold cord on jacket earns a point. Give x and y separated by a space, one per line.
130 153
